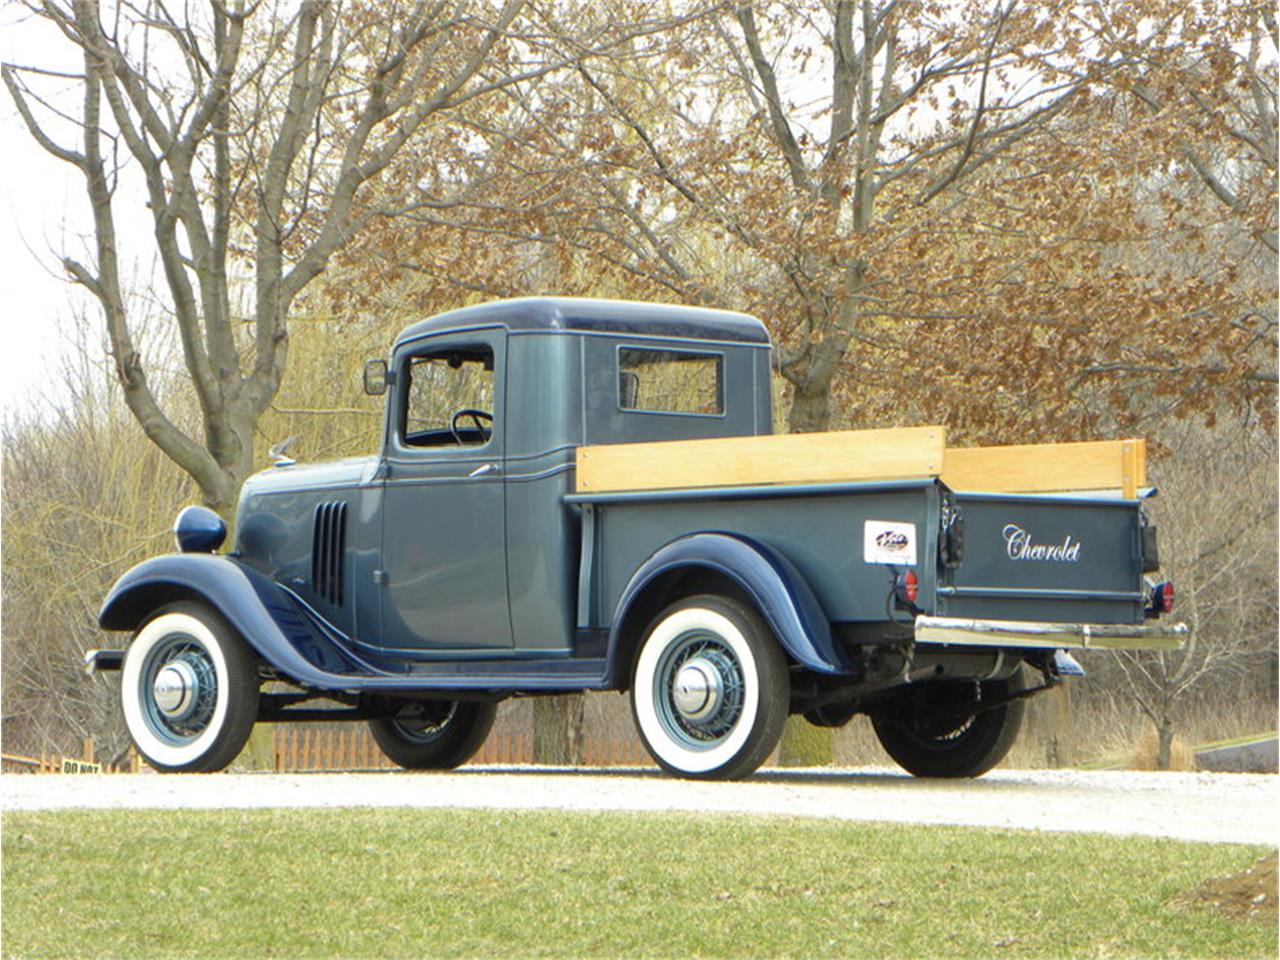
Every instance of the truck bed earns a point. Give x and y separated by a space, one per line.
1052 533
820 529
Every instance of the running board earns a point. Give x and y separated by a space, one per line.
548 675
560 673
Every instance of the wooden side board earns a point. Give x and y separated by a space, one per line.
1049 467
902 453
894 454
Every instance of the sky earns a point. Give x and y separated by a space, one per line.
43 210
37 198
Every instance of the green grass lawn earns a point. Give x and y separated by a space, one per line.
438 883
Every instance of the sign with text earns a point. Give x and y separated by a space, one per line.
80 766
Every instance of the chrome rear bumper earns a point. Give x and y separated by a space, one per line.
1022 633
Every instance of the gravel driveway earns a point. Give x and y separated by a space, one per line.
1215 807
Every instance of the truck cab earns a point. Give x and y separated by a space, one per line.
460 541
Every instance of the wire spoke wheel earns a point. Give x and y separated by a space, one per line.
178 685
941 729
699 689
709 689
189 690
434 734
424 722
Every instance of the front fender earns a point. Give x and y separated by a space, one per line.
776 588
257 607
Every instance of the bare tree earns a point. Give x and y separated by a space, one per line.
256 130
810 137
1219 535
84 493
1218 77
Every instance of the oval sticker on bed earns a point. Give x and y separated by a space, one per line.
889 541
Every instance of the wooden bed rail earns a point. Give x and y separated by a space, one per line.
781 458
1119 465
863 455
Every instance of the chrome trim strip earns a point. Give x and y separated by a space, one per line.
1038 593
541 475
959 632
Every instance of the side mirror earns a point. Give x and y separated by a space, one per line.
376 377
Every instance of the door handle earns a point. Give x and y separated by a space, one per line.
485 470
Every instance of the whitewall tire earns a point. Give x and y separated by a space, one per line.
710 690
189 690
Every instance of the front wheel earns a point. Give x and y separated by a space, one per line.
189 690
940 729
710 690
434 735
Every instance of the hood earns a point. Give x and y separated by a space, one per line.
307 476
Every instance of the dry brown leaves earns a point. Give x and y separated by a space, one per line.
1249 895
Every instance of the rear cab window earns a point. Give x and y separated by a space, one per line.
684 382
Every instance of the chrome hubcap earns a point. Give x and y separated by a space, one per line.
696 691
175 689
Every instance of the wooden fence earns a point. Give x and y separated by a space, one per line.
305 747
87 762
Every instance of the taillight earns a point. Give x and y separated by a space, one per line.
907 587
1162 597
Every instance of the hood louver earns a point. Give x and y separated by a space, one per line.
328 545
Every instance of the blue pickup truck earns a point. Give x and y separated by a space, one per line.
580 495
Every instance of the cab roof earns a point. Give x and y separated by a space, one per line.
584 315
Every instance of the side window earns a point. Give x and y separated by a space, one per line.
670 381
448 399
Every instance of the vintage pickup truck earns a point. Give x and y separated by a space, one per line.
585 495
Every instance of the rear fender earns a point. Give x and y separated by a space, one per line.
259 609
769 580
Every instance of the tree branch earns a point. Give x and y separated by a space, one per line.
773 101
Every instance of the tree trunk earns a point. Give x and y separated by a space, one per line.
1052 717
804 745
557 730
810 405
1164 742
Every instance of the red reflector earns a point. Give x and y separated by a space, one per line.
908 586
1164 597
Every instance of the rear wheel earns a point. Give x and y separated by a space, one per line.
434 734
938 729
710 690
189 690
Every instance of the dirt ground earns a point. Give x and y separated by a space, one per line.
1215 807
1250 894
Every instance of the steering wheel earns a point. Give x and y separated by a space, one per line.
477 416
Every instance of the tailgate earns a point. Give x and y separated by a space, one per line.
1047 558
